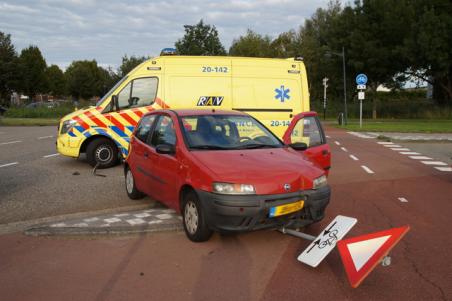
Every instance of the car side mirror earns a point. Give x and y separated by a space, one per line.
114 103
165 149
299 146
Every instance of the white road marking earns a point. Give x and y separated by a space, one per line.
9 164
367 169
354 158
383 142
45 137
344 149
403 200
444 168
392 145
400 149
420 158
52 155
327 136
11 142
337 142
409 153
434 163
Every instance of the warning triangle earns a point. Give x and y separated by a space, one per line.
361 254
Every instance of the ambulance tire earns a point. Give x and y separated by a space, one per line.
131 189
102 152
194 218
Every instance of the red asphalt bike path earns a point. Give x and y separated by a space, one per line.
260 265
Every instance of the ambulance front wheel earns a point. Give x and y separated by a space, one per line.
102 152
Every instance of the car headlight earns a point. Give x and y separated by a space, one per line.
228 188
67 125
319 182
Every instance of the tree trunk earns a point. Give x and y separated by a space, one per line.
442 90
374 101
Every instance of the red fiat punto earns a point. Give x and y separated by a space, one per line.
225 171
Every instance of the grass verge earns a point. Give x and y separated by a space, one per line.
27 121
402 126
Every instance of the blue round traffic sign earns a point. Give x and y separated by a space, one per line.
361 79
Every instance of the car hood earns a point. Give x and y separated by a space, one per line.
267 169
76 113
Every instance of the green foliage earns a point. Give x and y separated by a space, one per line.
200 39
251 45
32 68
40 112
85 79
56 81
129 63
8 66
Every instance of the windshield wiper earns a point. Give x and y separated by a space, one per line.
257 145
208 146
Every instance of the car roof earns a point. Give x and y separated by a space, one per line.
203 112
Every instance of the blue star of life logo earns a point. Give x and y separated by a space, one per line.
282 93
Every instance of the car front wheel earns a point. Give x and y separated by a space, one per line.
102 152
194 219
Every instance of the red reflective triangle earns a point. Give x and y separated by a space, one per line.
361 254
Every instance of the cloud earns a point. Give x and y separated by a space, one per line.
106 30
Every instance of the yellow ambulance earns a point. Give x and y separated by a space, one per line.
272 90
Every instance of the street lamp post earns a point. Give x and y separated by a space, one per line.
342 54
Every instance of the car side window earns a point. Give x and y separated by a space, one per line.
138 93
144 127
307 130
164 132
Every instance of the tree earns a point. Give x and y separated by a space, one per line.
108 79
200 39
8 66
32 67
84 79
251 45
56 81
286 45
129 63
429 45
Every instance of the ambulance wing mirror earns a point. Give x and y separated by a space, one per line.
114 103
299 146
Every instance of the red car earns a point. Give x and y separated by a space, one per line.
225 171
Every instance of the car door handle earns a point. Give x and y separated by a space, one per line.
324 152
146 155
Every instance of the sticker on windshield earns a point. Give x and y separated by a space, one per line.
209 101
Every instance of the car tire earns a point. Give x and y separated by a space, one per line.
194 218
131 189
102 152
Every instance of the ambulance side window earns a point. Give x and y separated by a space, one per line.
138 93
144 127
307 131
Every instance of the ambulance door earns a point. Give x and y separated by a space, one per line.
134 100
306 128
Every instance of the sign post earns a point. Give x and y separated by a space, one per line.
361 81
325 85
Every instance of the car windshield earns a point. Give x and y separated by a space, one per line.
100 101
226 132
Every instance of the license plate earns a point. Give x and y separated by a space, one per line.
286 209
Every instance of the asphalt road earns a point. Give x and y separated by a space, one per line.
378 185
35 182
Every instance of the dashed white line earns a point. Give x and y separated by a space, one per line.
383 142
444 168
434 163
44 137
337 142
354 158
392 145
344 149
403 200
327 136
420 158
400 149
52 155
10 142
409 153
9 164
367 169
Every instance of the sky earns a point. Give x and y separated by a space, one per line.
67 30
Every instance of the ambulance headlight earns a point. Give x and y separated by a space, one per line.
319 182
67 125
228 188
